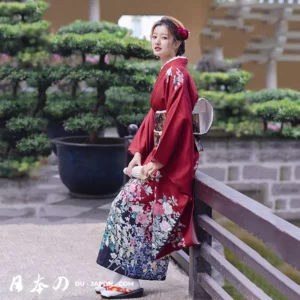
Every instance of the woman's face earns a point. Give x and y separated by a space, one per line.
163 44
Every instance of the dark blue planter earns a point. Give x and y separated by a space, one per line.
55 129
91 169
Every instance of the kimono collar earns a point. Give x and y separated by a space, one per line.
178 59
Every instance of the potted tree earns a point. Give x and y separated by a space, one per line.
23 38
92 165
127 106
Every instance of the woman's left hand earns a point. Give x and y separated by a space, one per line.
152 167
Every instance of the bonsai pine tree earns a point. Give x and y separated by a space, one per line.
100 40
24 42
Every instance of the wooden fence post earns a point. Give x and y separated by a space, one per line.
197 263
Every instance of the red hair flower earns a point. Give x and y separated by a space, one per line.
182 33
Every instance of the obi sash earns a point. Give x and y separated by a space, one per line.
202 119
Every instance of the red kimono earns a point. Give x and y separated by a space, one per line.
149 220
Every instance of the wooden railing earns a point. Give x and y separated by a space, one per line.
278 235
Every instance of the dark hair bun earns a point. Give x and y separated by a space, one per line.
181 49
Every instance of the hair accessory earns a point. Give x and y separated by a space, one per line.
182 33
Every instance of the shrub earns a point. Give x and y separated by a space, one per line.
84 27
232 82
87 122
272 94
18 168
28 124
37 144
291 132
279 111
123 100
127 119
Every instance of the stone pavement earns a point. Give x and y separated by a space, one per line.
68 250
46 232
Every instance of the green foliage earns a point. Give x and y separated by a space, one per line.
84 27
99 44
279 111
126 67
232 291
28 124
86 122
18 168
230 105
244 127
44 77
256 278
91 43
16 38
4 147
30 31
29 11
35 144
232 82
141 82
14 75
9 109
253 276
103 79
62 109
126 100
271 94
291 132
138 48
133 118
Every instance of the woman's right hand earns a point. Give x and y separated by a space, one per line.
136 160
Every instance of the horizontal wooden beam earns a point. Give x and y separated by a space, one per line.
182 259
289 57
237 279
250 257
256 4
279 235
293 34
212 288
208 32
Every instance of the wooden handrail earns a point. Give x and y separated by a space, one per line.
279 235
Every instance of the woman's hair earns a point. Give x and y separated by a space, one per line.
172 24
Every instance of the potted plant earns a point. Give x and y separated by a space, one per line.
91 165
127 106
23 39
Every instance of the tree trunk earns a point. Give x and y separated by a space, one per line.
42 98
281 127
74 89
15 90
265 125
102 62
83 56
93 137
100 98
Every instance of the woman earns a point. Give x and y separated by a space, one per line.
150 219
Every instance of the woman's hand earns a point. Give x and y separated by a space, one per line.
136 160
152 167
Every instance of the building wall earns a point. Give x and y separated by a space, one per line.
194 15
265 170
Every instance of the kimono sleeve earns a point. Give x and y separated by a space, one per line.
144 138
178 116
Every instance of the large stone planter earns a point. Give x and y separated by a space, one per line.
91 170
